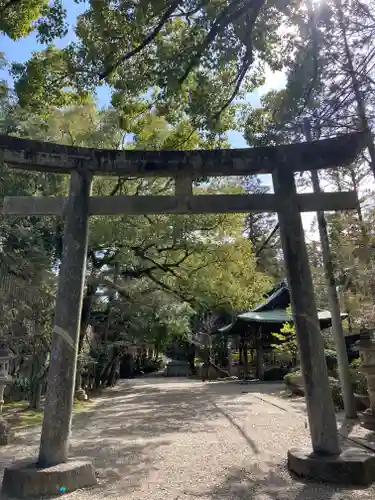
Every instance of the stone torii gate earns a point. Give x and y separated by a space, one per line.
184 166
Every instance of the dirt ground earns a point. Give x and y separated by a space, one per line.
180 439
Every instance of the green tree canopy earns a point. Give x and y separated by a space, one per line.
184 57
142 261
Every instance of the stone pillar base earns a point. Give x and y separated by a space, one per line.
26 480
353 466
367 419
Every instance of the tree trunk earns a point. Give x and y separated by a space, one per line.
37 378
230 356
37 389
245 359
35 395
240 353
112 372
97 376
87 306
259 358
191 358
107 372
362 115
225 359
361 107
365 243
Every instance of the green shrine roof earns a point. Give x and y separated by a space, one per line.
272 312
276 316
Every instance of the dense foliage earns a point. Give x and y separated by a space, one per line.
178 73
147 276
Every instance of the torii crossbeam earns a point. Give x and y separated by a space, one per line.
185 166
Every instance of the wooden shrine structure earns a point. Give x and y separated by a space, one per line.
184 166
254 330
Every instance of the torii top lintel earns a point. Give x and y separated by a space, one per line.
49 157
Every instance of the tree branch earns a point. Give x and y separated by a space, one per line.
168 289
118 186
266 241
240 79
223 19
146 41
248 58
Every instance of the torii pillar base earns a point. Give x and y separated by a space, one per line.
352 467
26 480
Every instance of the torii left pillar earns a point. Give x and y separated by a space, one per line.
53 473
54 444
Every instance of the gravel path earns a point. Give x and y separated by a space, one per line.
172 439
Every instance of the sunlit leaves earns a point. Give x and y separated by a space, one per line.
45 79
17 17
196 55
52 24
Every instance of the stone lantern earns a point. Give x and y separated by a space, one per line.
367 353
5 379
80 394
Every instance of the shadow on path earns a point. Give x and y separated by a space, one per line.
127 431
247 438
132 430
268 480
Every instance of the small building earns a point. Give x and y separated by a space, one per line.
253 331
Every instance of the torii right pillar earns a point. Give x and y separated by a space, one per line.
325 461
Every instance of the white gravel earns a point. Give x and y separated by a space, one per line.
178 439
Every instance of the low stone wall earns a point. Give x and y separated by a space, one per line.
177 369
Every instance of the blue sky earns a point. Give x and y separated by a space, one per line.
21 50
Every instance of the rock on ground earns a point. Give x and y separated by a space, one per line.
179 439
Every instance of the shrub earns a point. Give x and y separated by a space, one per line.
358 378
293 382
359 382
152 365
331 360
336 392
276 373
293 379
289 377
